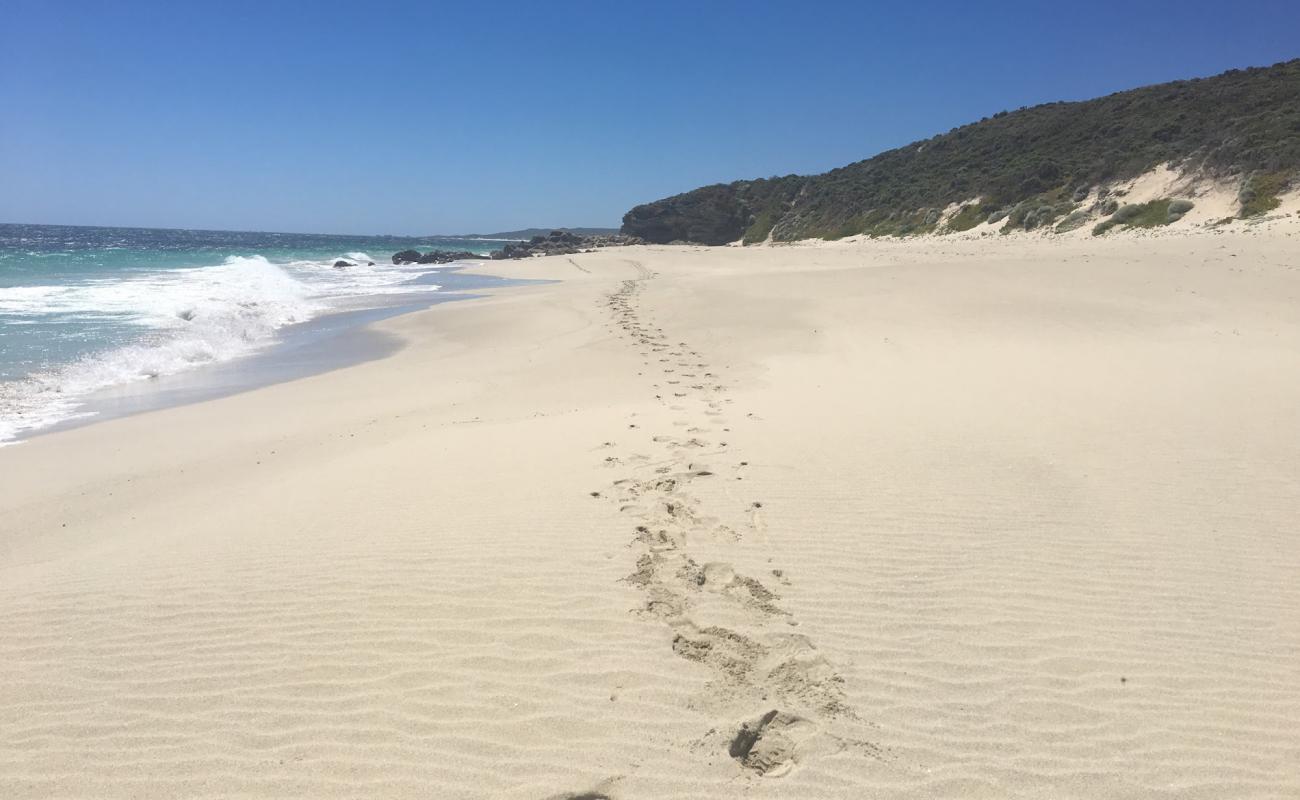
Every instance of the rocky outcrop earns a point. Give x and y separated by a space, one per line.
716 215
433 256
559 243
556 243
340 264
712 215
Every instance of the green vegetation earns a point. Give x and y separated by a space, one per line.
766 202
1146 215
761 227
1072 221
969 216
1259 193
1020 163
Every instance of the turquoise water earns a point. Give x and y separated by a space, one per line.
86 309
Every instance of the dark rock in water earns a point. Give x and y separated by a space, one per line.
447 256
433 256
340 264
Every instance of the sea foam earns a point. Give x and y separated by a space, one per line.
185 318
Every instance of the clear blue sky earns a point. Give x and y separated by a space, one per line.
421 117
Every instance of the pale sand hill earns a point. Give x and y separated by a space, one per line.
998 518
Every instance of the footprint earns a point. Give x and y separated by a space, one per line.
600 791
726 651
720 577
771 745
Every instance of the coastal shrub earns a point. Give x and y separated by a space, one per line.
1240 122
913 223
1016 219
878 223
1042 217
1073 221
1037 212
1125 213
1177 209
1151 215
759 228
1143 215
968 217
847 229
1259 194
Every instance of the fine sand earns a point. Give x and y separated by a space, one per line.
977 518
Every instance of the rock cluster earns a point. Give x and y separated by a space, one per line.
559 243
433 256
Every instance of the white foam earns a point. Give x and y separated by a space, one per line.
188 317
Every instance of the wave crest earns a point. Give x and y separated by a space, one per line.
191 316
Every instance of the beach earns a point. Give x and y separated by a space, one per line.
938 517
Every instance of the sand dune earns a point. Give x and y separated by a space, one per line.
954 518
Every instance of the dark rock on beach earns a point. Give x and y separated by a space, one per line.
433 256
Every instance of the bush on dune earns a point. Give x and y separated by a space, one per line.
1153 214
1019 163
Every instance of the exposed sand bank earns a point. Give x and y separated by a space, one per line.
988 518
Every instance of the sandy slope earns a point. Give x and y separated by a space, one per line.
925 519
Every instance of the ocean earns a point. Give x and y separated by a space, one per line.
84 310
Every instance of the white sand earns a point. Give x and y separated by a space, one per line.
997 518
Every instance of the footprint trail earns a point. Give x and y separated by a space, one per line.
795 696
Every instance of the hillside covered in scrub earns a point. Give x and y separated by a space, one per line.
1035 167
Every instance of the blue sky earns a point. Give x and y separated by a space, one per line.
421 117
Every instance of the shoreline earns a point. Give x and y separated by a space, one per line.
333 340
982 517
